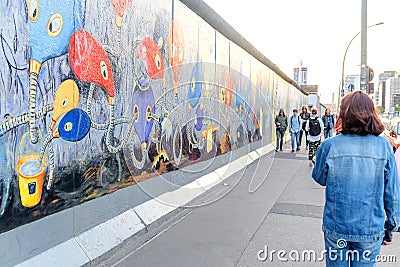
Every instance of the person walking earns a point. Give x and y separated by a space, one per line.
281 123
294 129
314 128
329 122
304 116
362 198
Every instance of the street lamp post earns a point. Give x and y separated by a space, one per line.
344 59
363 71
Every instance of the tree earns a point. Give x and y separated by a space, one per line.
396 110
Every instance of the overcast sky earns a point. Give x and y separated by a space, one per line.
317 32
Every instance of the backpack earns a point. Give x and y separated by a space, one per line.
315 127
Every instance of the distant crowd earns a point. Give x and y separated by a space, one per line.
306 124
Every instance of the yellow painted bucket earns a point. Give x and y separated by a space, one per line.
30 177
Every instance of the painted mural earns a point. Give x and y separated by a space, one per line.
99 95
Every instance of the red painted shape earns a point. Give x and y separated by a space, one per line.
89 61
176 48
120 6
149 52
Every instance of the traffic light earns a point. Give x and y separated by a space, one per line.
370 74
370 88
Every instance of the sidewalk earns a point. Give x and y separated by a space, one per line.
285 213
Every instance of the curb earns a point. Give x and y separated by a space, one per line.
97 241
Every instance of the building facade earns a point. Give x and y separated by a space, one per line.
300 74
380 93
392 95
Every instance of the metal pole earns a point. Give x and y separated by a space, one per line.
344 59
341 86
363 76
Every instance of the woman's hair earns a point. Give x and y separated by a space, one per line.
314 111
303 108
357 115
326 110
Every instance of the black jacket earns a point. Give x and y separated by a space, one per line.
305 117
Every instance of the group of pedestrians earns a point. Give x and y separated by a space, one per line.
304 124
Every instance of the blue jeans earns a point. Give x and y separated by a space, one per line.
279 139
341 253
296 136
328 133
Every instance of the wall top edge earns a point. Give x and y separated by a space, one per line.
218 23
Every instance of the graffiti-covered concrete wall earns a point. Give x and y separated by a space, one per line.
96 96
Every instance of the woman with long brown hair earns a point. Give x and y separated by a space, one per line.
329 122
362 199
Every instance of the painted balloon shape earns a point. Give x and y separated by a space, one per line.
51 23
120 7
150 54
199 118
89 61
176 48
65 99
74 126
143 103
195 86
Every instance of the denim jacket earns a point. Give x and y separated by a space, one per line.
329 122
362 185
295 124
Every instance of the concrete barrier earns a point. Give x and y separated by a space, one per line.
95 242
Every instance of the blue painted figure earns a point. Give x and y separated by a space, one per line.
74 126
143 104
51 23
199 118
195 85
